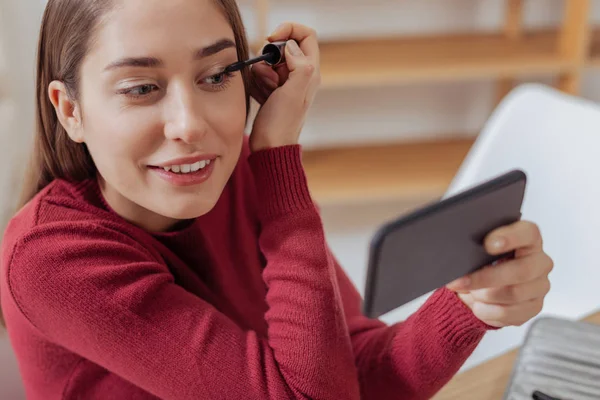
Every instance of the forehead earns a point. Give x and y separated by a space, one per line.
148 26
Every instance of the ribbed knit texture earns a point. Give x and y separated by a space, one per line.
280 178
245 302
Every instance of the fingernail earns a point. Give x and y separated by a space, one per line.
294 48
498 243
460 283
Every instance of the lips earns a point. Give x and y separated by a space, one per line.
186 174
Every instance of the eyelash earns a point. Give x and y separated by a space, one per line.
215 87
226 80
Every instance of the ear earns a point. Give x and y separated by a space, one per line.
67 111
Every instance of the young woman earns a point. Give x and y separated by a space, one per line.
161 255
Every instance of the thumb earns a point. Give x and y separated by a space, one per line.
300 67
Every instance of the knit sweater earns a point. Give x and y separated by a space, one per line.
244 302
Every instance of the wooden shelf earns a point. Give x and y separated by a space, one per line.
367 63
594 54
386 172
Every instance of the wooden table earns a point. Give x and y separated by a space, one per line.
487 381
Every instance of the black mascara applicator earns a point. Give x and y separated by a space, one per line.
272 54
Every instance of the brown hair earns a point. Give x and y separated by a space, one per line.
64 41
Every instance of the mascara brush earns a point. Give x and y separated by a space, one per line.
272 54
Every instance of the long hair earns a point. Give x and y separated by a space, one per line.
66 34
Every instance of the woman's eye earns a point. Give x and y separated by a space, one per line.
139 91
215 79
145 89
219 81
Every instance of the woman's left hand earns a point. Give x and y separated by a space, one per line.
510 292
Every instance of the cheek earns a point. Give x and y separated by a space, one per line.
120 140
225 111
229 113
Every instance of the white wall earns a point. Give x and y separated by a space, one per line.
19 22
338 116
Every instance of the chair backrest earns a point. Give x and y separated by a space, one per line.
555 139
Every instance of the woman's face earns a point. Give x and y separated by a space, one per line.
164 131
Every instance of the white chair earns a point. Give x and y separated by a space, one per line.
555 139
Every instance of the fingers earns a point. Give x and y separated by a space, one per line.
259 93
305 36
302 69
282 71
508 315
513 272
265 74
300 73
523 236
513 294
263 82
510 292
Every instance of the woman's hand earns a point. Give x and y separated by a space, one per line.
510 292
285 92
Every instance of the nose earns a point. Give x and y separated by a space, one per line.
185 121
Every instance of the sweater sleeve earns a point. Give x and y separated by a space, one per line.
100 294
412 359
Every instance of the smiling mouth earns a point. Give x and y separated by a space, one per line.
186 168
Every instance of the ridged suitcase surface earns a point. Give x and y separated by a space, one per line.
560 358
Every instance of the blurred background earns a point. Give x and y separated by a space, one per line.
407 86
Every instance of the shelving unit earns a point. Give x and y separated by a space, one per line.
400 170
348 64
412 172
594 52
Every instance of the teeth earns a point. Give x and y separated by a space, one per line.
187 168
196 166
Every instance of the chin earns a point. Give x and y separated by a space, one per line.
188 210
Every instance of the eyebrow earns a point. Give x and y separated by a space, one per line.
153 62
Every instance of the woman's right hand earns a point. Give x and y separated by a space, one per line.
286 92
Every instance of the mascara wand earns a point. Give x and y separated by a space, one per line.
273 54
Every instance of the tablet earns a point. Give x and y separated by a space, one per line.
441 242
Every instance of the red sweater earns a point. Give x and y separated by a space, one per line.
245 302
